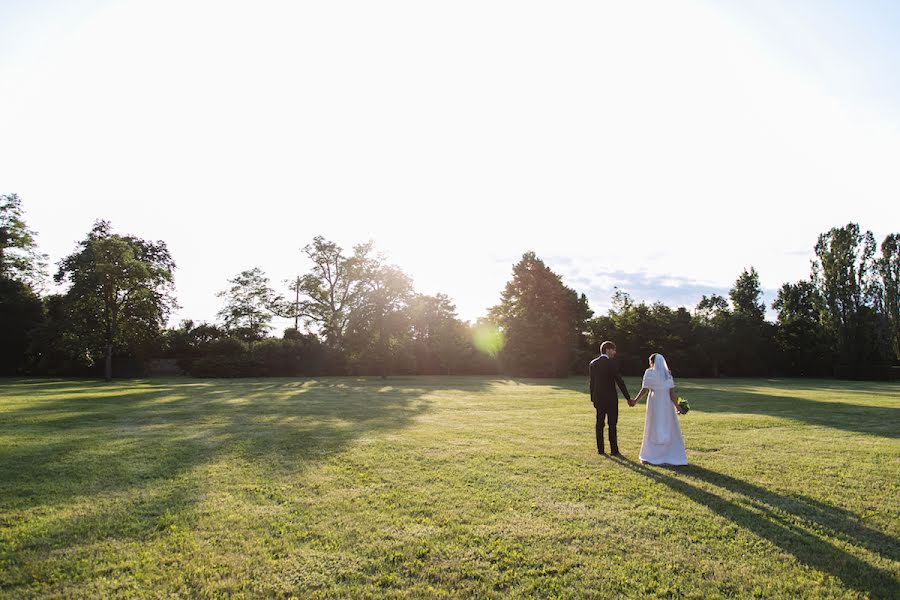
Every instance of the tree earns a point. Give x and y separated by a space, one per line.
63 344
290 308
21 272
21 312
439 339
331 291
378 326
540 318
120 289
640 329
247 313
19 257
746 296
804 344
711 307
889 269
581 329
628 325
713 320
748 332
845 276
189 341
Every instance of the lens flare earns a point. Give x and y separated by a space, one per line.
488 339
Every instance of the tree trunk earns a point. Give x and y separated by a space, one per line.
109 351
297 306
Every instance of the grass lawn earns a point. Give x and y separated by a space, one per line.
430 487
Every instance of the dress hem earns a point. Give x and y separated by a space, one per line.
663 463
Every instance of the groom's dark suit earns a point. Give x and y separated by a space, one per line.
604 378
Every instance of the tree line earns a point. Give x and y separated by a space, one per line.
354 313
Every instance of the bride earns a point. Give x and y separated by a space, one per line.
663 444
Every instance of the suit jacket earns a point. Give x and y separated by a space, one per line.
604 378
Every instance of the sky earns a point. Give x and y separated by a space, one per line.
658 147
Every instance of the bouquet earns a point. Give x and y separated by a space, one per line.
683 406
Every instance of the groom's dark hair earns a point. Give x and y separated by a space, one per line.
606 346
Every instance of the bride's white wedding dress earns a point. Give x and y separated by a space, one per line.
663 444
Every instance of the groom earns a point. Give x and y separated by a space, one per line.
604 378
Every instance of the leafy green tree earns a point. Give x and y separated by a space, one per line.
889 269
189 341
62 344
749 336
378 328
804 343
540 318
711 307
120 290
628 325
290 307
21 313
440 344
844 272
640 329
247 313
713 329
19 256
327 296
581 328
746 296
21 273
676 338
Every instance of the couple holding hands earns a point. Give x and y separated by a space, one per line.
662 443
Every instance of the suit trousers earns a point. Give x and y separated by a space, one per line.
609 412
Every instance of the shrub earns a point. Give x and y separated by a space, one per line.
867 372
226 366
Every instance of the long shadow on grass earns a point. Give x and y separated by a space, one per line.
827 385
883 421
135 450
23 387
838 522
777 522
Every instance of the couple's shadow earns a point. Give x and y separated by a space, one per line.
789 522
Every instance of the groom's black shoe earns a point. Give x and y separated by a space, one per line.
617 454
